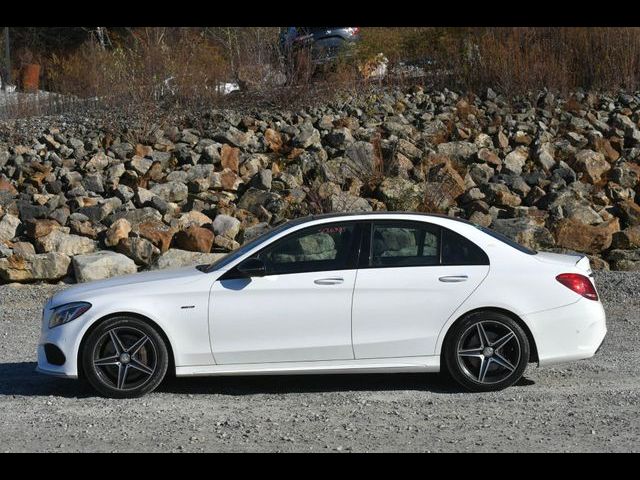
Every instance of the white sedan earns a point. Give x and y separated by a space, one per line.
377 292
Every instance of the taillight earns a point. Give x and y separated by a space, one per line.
579 284
353 31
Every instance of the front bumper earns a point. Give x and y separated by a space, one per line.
565 334
66 338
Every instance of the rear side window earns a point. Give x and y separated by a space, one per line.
403 245
457 250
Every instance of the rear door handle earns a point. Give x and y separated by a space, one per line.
329 281
454 278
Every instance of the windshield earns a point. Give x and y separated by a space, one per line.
230 257
507 240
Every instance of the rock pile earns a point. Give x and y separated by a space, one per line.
559 174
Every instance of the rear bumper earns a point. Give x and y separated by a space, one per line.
565 334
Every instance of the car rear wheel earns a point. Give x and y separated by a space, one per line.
486 351
124 357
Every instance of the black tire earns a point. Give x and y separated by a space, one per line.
133 368
486 366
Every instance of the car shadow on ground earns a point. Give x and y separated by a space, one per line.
21 379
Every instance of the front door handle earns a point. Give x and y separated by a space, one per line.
454 278
329 281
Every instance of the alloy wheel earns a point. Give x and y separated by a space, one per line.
125 358
488 352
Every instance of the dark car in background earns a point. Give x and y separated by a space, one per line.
324 44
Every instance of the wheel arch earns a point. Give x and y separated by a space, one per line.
533 349
172 364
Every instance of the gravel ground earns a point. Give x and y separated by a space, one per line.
590 405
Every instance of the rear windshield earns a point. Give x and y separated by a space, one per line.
507 240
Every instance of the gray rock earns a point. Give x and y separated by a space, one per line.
101 265
43 267
175 258
171 191
8 227
345 202
627 260
227 226
60 241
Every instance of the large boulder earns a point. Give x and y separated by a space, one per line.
139 249
117 231
43 267
158 233
346 202
171 191
444 185
627 239
592 164
176 258
8 227
195 239
401 195
61 241
627 260
630 212
526 231
227 226
585 238
101 265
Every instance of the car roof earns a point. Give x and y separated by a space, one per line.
346 215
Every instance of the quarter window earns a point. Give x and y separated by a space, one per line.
457 250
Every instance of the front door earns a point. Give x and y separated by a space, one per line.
300 310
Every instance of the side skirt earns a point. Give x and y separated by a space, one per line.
376 365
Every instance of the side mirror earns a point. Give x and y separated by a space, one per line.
252 267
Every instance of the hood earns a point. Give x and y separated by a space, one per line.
120 284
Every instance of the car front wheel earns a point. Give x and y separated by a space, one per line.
486 351
124 357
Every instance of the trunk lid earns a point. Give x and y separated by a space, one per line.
569 260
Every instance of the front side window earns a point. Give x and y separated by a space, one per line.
401 245
318 248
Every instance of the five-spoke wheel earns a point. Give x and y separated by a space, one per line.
486 351
124 357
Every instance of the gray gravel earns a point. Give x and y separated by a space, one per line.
591 405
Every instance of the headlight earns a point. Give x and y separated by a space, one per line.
68 312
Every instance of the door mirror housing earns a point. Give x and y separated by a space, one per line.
253 267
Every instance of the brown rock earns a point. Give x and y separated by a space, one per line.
273 139
195 239
117 231
230 157
627 239
444 184
630 212
86 229
503 141
143 150
157 233
229 180
585 238
487 156
7 186
40 228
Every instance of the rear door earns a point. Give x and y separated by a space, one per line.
416 274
